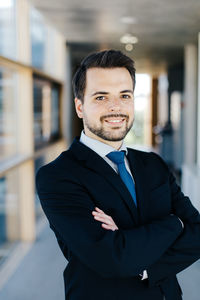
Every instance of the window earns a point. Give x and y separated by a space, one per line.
46 112
8 113
9 215
38 39
139 135
8 28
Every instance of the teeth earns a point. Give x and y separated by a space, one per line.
115 121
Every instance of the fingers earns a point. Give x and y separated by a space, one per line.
101 216
100 212
104 219
98 209
108 227
107 221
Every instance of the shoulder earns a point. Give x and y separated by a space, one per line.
149 158
61 166
59 161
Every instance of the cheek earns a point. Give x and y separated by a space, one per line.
92 113
130 109
96 110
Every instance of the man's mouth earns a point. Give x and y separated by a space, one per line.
115 121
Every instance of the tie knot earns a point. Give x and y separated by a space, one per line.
116 156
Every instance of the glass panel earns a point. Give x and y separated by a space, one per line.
9 204
138 136
47 45
8 113
38 39
46 112
8 28
2 210
55 111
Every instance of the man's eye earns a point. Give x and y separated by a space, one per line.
125 96
100 98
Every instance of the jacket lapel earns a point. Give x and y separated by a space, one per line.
96 163
138 171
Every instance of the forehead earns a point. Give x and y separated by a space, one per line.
108 78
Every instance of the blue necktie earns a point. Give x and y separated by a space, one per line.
118 158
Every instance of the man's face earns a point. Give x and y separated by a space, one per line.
108 108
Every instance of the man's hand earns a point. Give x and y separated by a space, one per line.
108 222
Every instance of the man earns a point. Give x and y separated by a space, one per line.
119 217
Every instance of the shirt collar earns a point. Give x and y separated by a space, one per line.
99 147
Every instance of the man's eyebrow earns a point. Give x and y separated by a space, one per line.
127 91
100 92
106 93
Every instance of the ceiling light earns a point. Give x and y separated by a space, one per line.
128 39
128 20
129 47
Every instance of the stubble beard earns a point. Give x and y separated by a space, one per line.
112 135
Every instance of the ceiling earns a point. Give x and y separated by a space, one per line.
162 27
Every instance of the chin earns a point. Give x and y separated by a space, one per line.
115 138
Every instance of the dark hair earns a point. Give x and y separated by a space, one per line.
103 59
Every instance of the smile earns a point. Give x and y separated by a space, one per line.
115 121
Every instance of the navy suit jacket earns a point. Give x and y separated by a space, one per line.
105 264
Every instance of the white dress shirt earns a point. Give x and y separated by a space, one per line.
103 149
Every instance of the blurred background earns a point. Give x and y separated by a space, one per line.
41 44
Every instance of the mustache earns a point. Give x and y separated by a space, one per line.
114 115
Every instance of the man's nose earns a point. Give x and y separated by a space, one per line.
114 104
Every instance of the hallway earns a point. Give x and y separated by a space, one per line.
39 275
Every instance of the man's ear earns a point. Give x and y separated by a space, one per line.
79 107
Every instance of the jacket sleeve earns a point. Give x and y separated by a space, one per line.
186 249
121 253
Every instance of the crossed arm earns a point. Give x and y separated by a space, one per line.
109 224
107 220
184 251
186 248
163 247
109 253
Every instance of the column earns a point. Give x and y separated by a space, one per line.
198 106
154 111
26 148
190 104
